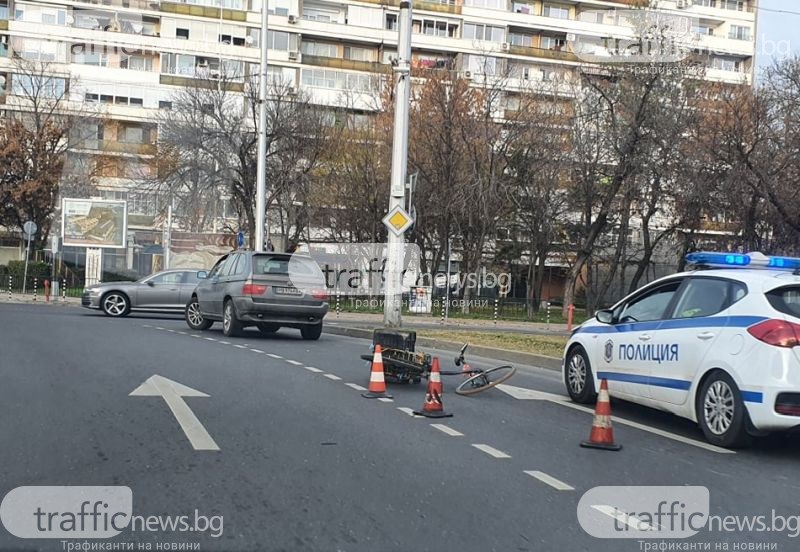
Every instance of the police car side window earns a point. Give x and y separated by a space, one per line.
704 297
651 306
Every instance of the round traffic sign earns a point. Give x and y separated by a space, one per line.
30 228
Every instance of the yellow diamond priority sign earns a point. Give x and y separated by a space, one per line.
397 220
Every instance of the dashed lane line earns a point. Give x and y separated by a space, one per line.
385 399
312 369
333 377
409 411
355 386
620 515
550 480
491 451
259 351
278 357
447 430
294 362
240 346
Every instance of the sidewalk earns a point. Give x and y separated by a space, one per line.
29 298
411 322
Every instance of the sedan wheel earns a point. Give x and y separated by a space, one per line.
721 412
116 304
578 376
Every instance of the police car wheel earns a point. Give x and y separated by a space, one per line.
578 376
721 412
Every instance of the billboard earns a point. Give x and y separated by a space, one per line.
94 223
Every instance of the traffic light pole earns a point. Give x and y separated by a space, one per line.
393 290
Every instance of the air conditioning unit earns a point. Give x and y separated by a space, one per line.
467 74
505 46
571 37
292 19
294 55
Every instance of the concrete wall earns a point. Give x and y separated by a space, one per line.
9 254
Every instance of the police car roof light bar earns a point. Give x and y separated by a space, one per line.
751 260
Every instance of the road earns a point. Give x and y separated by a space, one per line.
302 462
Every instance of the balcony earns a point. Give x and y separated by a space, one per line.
203 11
438 7
347 64
113 146
531 51
199 82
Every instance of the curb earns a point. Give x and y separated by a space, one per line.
530 359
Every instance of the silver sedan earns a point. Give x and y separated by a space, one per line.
168 290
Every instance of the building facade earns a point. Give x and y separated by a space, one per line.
128 57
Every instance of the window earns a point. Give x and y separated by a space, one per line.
735 5
278 40
434 27
218 267
136 63
484 32
320 49
491 4
523 7
702 30
190 277
707 296
785 300
706 3
164 104
170 278
319 14
553 42
182 34
650 306
132 134
739 32
391 21
339 80
519 39
556 11
359 54
27 85
724 63
229 264
137 102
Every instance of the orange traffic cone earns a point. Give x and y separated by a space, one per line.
377 385
602 436
433 408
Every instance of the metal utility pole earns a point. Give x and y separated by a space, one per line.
447 282
261 179
392 309
168 245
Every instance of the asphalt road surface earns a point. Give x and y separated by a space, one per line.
289 454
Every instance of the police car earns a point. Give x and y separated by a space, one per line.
719 345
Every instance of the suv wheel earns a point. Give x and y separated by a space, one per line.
721 412
115 304
311 333
578 376
231 326
194 318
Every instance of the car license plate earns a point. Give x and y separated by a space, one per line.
287 291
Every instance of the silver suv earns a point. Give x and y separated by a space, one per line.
266 290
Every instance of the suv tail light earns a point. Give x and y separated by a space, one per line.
319 294
250 288
779 333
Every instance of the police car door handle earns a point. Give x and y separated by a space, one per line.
645 337
705 335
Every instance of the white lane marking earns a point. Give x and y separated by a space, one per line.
409 411
447 430
385 399
550 480
631 521
332 377
225 342
257 351
173 392
240 346
195 335
209 339
491 451
294 362
355 386
274 356
312 369
522 393
171 331
159 328
182 333
146 326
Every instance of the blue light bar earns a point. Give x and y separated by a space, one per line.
750 260
719 259
788 263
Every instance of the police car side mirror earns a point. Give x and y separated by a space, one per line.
604 316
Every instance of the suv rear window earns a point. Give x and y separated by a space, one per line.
785 300
263 264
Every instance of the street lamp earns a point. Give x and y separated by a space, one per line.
261 179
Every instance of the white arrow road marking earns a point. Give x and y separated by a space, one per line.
631 521
550 480
173 393
532 394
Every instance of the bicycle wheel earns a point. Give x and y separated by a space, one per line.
485 380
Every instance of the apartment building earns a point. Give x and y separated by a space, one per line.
128 57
